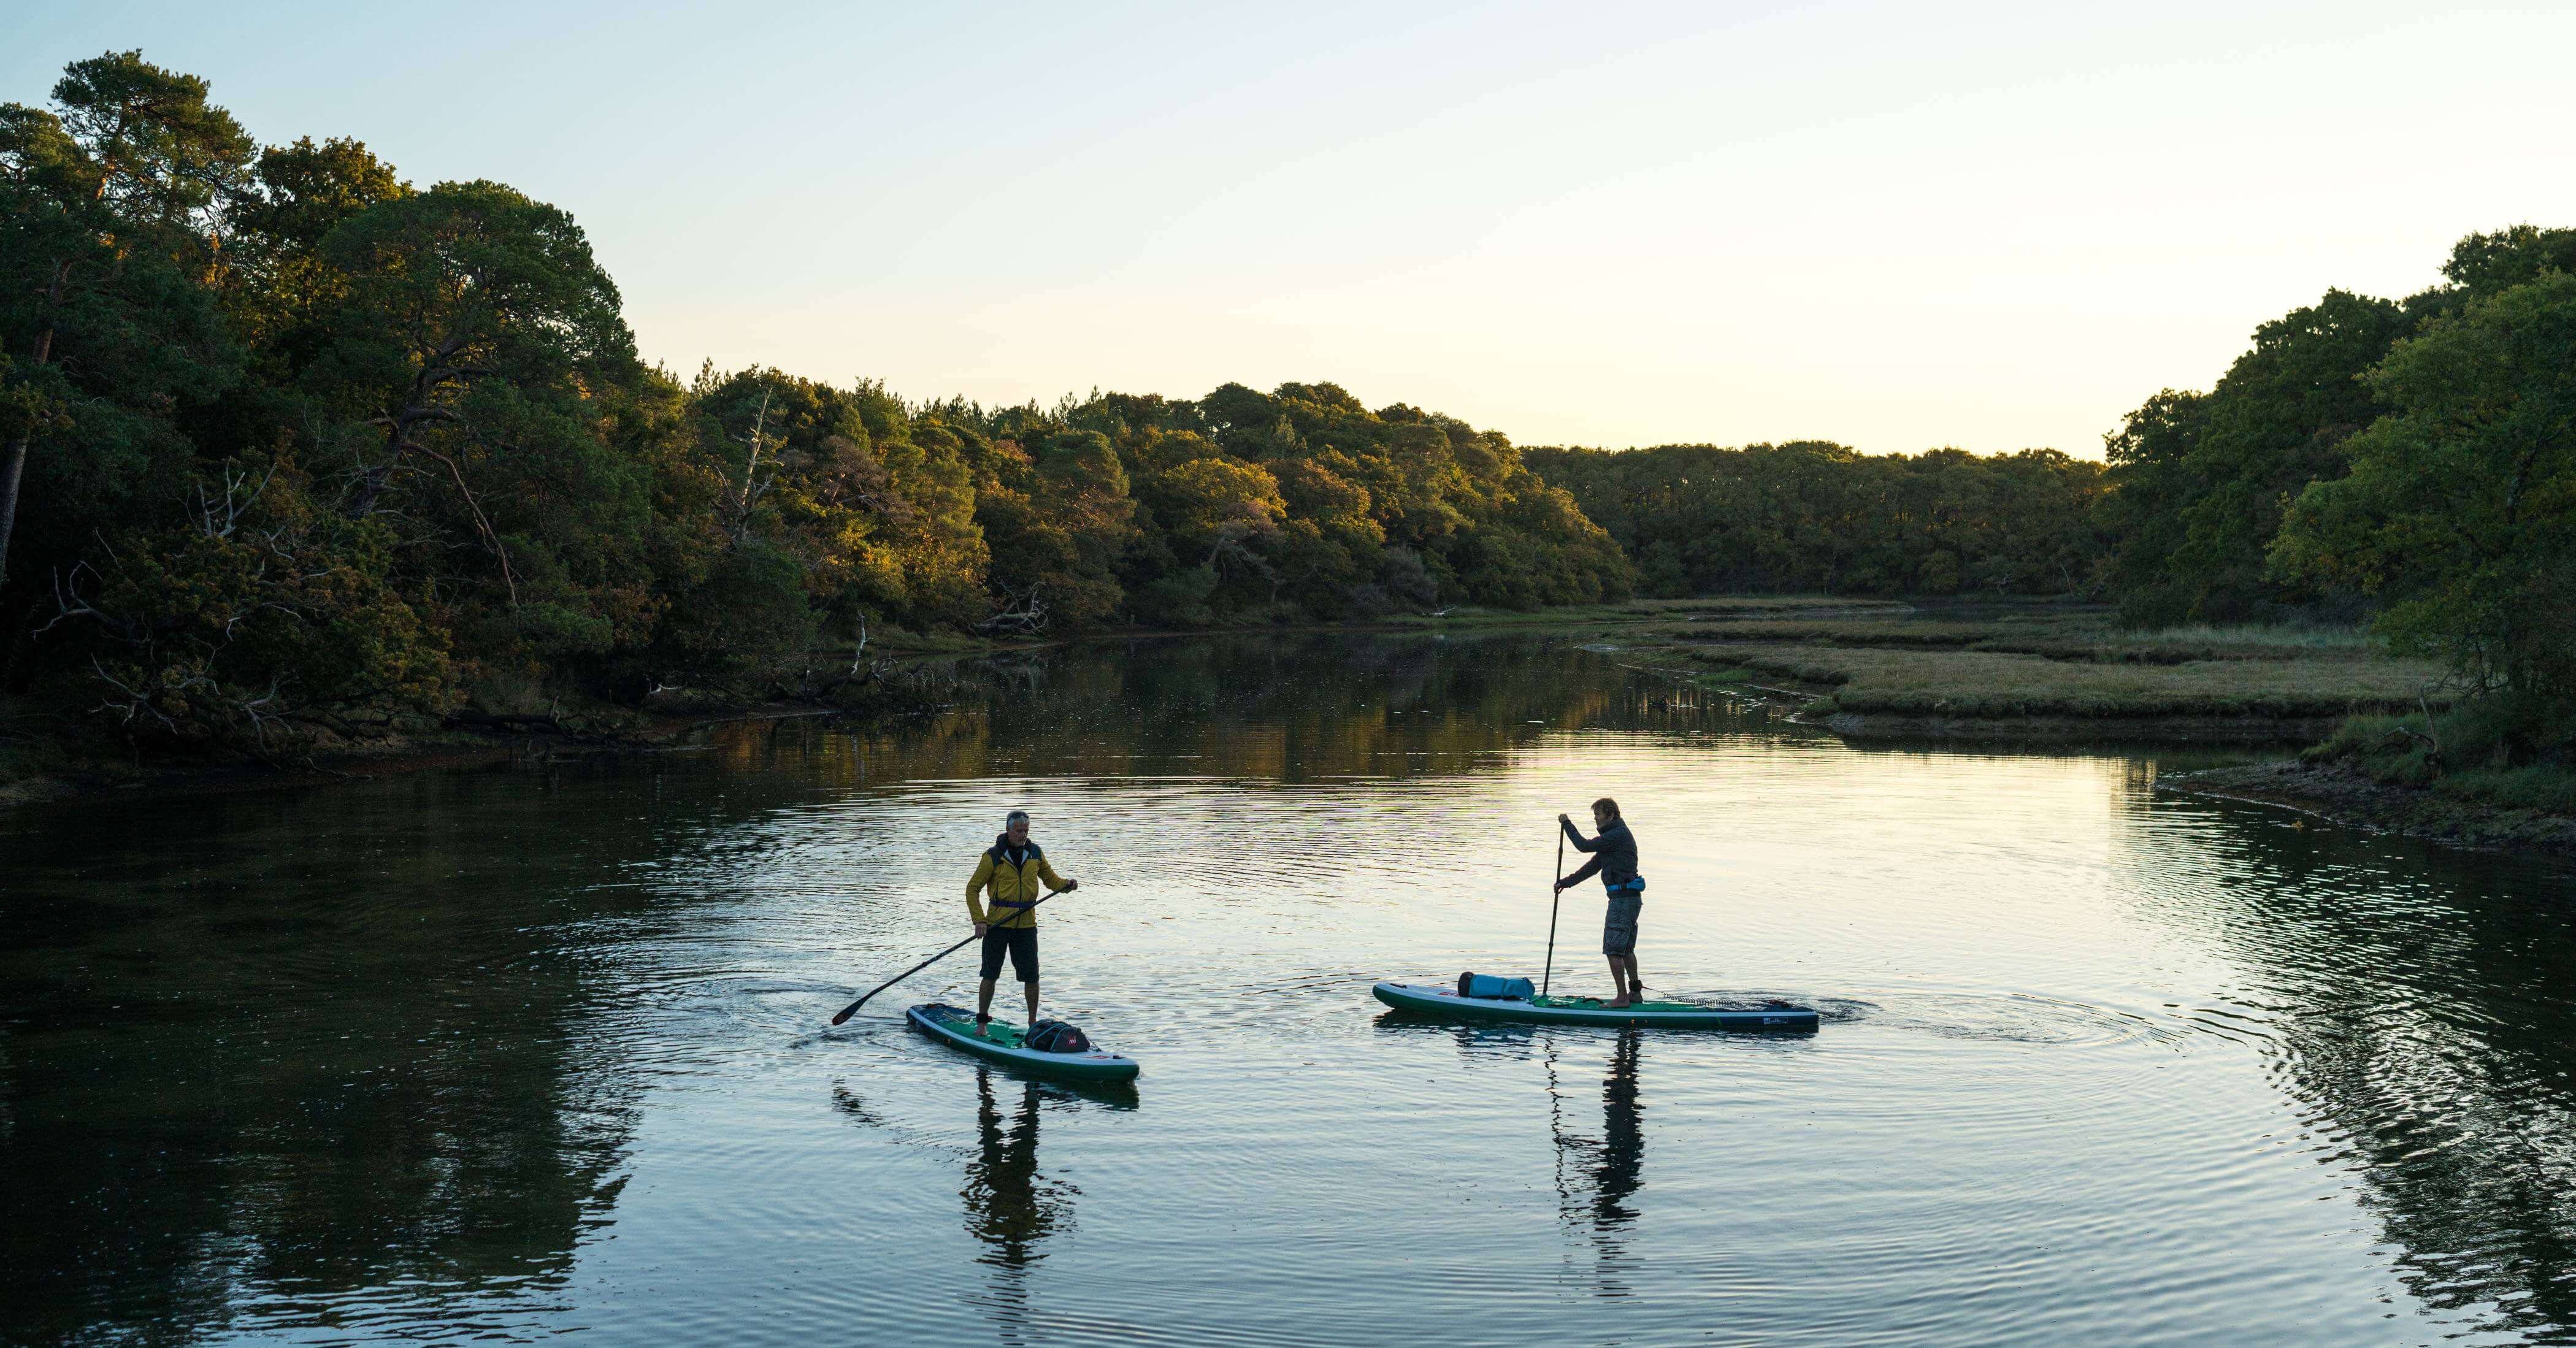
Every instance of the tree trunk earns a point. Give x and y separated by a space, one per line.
16 465
9 473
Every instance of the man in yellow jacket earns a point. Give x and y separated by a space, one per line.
1011 870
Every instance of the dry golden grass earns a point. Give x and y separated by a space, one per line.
1975 683
1990 659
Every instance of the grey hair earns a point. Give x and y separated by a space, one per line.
1014 817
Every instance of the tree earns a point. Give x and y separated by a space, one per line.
1057 516
261 617
112 208
468 358
276 282
2489 264
2215 471
1217 507
2459 510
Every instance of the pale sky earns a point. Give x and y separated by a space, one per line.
1893 225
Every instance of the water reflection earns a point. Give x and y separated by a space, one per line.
372 1061
1598 1177
1606 1171
227 1076
1289 710
2431 1025
1012 1206
1598 1174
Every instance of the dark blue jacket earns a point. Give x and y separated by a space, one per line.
1614 855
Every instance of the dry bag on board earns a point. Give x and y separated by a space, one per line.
1494 985
1054 1036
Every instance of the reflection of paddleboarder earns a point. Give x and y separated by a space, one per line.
1623 1141
1614 856
1611 1169
1008 1206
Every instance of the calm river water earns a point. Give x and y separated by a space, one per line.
515 1051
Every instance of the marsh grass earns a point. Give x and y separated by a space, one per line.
1863 630
1983 683
1983 659
1986 661
1636 612
2058 631
2315 638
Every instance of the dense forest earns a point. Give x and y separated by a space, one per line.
291 441
2413 461
1813 517
294 445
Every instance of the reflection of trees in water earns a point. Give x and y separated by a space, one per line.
1293 707
2430 1019
284 1067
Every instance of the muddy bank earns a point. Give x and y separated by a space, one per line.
2079 729
2341 795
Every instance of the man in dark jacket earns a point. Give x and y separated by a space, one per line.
1614 856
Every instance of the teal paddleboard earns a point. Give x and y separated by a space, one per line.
999 1040
1775 1017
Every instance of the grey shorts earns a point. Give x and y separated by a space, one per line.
1619 927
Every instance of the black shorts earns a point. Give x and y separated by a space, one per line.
1022 942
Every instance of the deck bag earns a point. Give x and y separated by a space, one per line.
1495 985
1054 1036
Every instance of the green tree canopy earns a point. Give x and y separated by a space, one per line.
2198 481
2459 510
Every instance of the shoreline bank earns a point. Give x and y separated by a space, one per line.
1871 672
1874 727
2338 794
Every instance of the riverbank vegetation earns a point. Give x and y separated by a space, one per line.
2017 669
300 453
2407 467
2415 460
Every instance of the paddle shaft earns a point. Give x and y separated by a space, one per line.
852 1008
1555 895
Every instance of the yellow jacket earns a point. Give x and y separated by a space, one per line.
1014 885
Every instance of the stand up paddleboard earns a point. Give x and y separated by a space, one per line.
1776 1018
1000 1041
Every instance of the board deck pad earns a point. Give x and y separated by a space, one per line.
1005 1040
1598 1003
1771 1017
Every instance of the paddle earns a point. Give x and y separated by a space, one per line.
1555 895
852 1008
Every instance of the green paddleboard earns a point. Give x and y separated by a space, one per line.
1776 1017
999 1040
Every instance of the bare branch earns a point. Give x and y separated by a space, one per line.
1024 616
481 522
